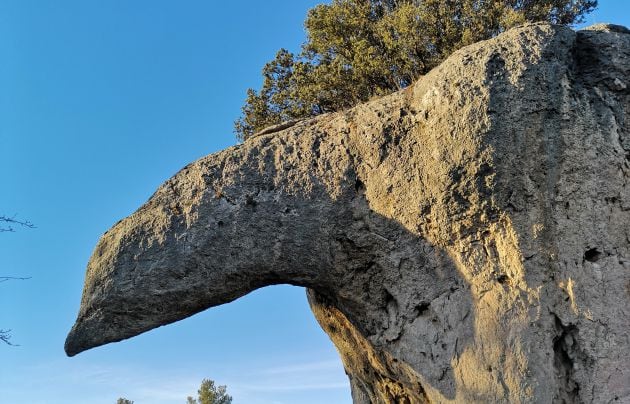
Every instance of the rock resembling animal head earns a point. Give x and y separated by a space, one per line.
445 233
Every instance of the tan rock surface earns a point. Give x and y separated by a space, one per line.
464 240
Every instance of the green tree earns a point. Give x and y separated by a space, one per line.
359 49
123 401
209 393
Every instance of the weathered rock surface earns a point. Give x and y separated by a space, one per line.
465 240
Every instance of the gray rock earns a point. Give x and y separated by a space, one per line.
464 240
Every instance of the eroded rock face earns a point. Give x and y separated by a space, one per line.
464 240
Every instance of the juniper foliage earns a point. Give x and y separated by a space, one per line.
359 49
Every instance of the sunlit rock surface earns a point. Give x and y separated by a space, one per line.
464 240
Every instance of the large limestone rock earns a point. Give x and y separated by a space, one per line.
464 240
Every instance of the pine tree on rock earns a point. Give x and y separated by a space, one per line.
209 393
359 49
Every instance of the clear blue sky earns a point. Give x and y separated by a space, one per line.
100 102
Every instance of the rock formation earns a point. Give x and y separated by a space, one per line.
464 240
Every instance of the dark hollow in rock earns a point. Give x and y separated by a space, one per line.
592 255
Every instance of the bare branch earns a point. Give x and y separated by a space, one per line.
9 222
5 336
12 278
6 225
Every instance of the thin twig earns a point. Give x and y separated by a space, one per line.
13 278
13 221
5 336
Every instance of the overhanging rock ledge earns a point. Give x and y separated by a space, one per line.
465 240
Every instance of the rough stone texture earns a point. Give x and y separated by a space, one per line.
464 240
